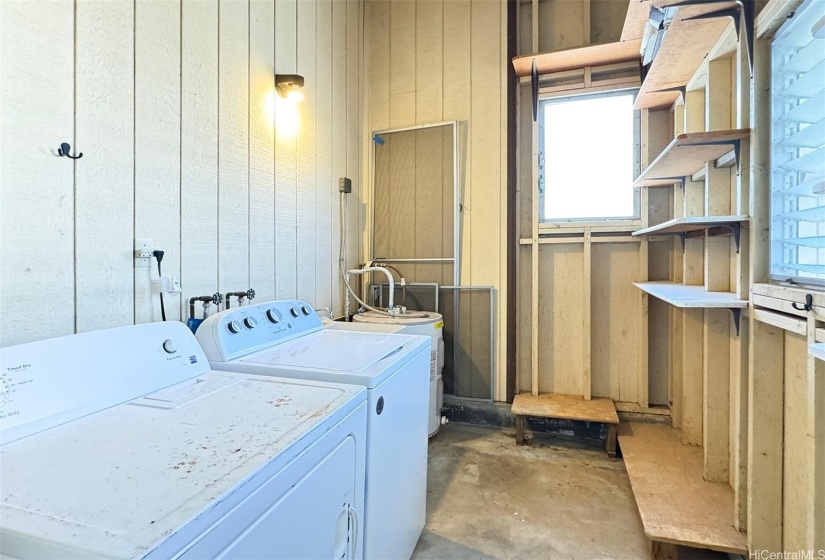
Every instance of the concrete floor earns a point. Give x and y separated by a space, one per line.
551 499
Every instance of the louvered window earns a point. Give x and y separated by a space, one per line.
798 147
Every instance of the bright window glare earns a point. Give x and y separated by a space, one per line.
588 158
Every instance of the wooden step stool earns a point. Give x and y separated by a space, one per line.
567 407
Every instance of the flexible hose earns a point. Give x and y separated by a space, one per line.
349 291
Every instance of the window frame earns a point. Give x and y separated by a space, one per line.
546 97
781 279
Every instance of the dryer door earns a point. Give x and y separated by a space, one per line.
304 511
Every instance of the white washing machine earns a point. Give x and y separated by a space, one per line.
124 444
287 338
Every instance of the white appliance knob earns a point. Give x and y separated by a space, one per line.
272 315
250 322
234 327
169 346
294 311
305 310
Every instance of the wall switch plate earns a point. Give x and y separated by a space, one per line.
143 253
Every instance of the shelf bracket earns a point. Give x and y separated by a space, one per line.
681 89
737 318
681 179
683 237
736 230
534 85
743 13
737 150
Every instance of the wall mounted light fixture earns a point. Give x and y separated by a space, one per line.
287 86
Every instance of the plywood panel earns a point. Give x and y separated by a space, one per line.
485 176
457 105
306 194
615 321
378 14
339 141
799 466
561 320
37 97
233 155
765 436
323 155
157 148
104 118
428 61
199 150
262 149
716 399
357 216
692 378
286 164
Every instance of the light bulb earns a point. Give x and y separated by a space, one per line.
295 96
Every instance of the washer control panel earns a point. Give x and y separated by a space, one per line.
236 332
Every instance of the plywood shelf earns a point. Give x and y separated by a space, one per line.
568 407
688 153
694 224
676 504
572 59
684 47
679 295
817 350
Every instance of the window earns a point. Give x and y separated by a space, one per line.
588 157
798 147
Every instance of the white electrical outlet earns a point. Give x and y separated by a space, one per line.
170 285
143 253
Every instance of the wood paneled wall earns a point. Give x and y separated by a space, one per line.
439 60
172 104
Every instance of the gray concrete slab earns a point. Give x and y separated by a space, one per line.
551 499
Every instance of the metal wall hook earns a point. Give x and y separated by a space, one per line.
64 150
808 306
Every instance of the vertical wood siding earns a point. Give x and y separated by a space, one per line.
171 102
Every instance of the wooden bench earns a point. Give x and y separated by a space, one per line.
566 407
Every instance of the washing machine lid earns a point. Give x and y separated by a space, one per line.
162 468
342 355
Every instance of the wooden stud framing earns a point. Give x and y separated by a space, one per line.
587 380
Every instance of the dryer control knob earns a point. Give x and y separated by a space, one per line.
234 327
294 311
272 315
305 310
250 322
169 346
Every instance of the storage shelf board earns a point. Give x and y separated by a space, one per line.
573 59
676 504
679 295
684 47
568 407
686 225
638 12
686 154
817 350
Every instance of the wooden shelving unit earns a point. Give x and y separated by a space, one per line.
572 59
679 295
697 184
684 47
687 154
817 350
